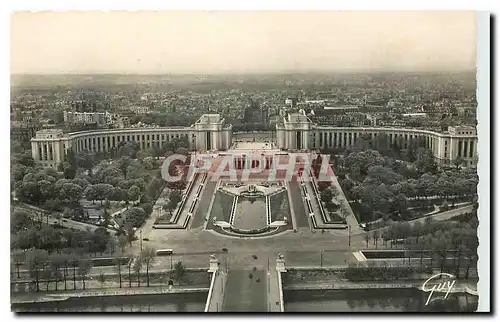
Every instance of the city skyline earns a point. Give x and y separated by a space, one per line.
231 42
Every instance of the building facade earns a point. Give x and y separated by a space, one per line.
100 118
297 132
24 131
50 147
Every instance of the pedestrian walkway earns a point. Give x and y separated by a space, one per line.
274 291
216 293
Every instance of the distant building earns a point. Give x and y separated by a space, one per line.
341 109
139 109
99 118
255 114
291 102
415 115
22 131
83 106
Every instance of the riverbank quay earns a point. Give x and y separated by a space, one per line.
468 286
136 291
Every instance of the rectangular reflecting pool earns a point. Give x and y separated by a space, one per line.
250 213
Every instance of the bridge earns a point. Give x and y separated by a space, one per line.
245 290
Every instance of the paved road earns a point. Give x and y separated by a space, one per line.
204 204
298 205
437 217
446 215
218 291
246 291
67 223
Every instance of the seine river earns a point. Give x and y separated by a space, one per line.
406 300
192 302
401 300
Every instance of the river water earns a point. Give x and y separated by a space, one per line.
387 300
402 300
188 302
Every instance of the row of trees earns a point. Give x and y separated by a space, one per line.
382 185
28 234
56 267
367 273
434 240
71 266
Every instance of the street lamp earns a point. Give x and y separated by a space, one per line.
140 237
349 235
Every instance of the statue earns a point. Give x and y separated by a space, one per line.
280 256
212 257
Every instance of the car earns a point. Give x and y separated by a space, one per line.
365 227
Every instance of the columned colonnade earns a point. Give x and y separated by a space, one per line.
299 133
50 147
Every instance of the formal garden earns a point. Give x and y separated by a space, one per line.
388 183
88 188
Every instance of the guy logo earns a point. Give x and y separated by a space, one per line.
431 285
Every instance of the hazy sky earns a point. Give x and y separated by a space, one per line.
222 42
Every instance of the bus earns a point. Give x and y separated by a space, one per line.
164 252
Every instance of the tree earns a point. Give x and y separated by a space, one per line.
458 161
137 270
18 258
19 220
104 191
37 262
130 233
91 193
400 203
122 243
425 161
181 150
322 185
56 264
326 195
177 185
134 193
175 197
70 193
441 246
85 264
74 262
179 271
129 150
135 216
86 160
102 279
376 236
381 174
147 256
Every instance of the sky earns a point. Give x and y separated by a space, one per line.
241 42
